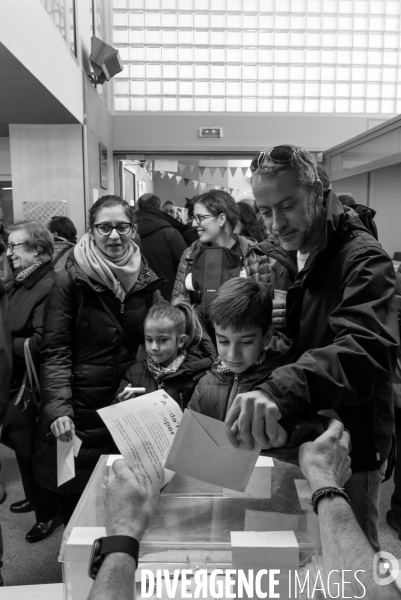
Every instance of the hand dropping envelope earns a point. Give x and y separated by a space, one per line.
201 449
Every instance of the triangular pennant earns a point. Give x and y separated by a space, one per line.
244 170
169 175
231 190
217 187
191 167
212 170
181 168
186 181
223 171
162 174
178 178
233 171
202 185
202 170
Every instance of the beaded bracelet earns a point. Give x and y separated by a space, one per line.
327 492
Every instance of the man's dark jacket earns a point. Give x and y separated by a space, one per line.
162 246
341 317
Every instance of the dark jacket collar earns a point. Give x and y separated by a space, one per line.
31 280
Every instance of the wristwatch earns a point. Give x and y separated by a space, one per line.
106 545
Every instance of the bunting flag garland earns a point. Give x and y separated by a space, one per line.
195 183
223 171
233 171
231 190
202 185
178 178
186 181
217 187
244 170
191 167
202 170
212 170
181 168
162 174
169 175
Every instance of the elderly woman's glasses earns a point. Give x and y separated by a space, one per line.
10 247
278 154
107 228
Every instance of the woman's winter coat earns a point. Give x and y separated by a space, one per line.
179 385
84 357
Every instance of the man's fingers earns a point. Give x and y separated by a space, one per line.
259 427
231 419
334 430
346 438
245 430
121 469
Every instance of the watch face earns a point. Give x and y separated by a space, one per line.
96 559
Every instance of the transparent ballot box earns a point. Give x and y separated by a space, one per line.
191 525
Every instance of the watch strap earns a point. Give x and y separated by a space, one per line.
120 543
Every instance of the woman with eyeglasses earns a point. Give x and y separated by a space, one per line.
216 215
30 248
92 330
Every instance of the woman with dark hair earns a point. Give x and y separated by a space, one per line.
92 330
216 215
30 247
248 224
65 237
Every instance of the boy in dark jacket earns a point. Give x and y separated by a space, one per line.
242 317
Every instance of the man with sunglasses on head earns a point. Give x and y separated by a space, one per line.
340 316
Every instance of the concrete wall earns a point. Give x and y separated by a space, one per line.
178 132
357 186
27 31
384 196
47 166
385 199
5 159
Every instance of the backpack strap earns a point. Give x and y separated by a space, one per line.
60 254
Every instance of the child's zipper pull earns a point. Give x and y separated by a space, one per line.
122 307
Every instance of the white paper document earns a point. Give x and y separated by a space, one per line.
143 429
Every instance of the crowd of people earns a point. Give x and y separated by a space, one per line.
264 314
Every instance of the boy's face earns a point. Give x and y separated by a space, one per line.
241 349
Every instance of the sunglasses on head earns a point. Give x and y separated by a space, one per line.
278 154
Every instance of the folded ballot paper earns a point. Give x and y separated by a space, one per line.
143 429
201 449
66 451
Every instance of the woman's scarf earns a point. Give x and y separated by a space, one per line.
24 274
159 373
119 275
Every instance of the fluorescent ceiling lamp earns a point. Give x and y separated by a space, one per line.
7 188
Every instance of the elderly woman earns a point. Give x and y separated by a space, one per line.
30 247
92 330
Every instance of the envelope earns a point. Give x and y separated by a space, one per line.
201 449
65 462
260 483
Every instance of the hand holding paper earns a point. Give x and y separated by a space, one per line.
65 459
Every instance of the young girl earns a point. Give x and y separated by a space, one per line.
178 352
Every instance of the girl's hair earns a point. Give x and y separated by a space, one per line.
219 202
250 224
38 237
184 319
64 228
109 202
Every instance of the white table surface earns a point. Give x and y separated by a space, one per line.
51 591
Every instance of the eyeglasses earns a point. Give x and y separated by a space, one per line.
278 154
107 228
10 247
200 218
